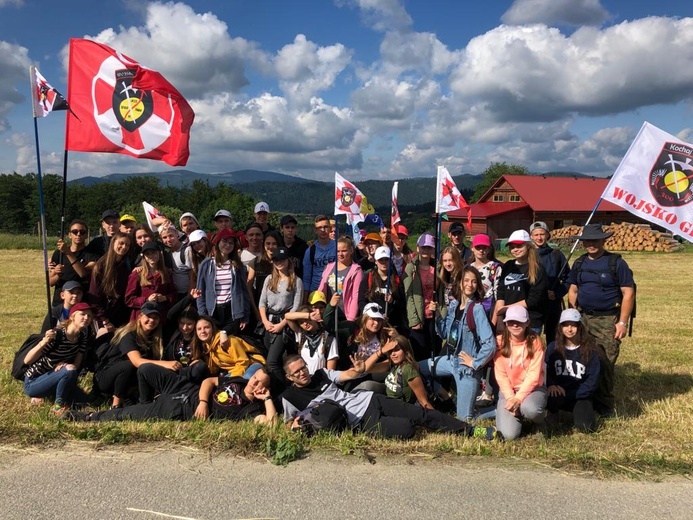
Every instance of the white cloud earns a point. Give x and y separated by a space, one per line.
194 51
552 12
382 15
14 63
304 69
416 51
535 73
13 3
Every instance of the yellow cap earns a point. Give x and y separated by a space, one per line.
317 296
128 217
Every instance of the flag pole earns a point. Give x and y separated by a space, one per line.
43 218
389 269
336 278
64 201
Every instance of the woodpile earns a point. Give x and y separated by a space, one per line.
626 237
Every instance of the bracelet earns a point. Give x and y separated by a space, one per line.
73 263
204 401
268 398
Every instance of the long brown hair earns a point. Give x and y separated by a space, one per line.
457 290
234 255
405 345
197 258
532 263
443 276
588 346
200 349
106 268
147 271
275 278
531 338
360 336
154 340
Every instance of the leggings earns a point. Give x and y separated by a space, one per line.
117 379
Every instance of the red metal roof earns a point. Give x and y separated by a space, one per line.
488 209
564 194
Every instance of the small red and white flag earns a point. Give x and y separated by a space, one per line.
44 98
448 197
150 213
394 216
347 197
120 106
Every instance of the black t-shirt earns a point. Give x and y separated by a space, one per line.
515 287
230 403
297 251
99 245
82 256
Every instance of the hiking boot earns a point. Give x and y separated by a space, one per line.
481 432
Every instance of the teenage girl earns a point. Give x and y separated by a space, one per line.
225 355
572 371
374 289
348 278
151 282
419 290
490 269
316 346
109 281
448 275
519 369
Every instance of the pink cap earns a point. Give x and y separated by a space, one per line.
401 230
481 240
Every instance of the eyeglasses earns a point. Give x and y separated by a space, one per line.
78 231
298 372
516 245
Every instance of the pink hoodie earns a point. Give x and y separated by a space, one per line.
518 375
350 288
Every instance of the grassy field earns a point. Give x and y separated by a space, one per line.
651 437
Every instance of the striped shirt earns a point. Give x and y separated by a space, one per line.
222 284
60 350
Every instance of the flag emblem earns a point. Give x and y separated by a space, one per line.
349 197
670 177
132 106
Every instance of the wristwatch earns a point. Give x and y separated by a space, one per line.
267 398
622 323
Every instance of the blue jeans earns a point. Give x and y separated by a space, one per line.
466 379
61 383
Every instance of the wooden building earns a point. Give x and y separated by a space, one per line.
515 201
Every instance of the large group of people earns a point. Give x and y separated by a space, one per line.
253 323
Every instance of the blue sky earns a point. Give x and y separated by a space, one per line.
370 88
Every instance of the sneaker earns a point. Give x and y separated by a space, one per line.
76 415
489 434
59 410
36 400
483 400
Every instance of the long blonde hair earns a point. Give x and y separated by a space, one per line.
153 340
443 276
532 263
147 271
275 278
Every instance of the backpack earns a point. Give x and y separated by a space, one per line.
18 366
613 260
327 415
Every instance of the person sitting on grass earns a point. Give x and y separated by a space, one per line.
70 295
519 368
572 372
54 363
218 398
316 346
371 413
403 380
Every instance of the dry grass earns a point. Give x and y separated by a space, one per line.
651 437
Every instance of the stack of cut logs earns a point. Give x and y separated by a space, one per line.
626 237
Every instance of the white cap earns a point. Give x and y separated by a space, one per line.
372 310
382 252
570 315
197 235
222 213
519 236
261 206
516 313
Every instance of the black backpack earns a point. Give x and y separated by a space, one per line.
327 415
18 366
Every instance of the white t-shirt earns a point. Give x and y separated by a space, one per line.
180 271
248 258
318 360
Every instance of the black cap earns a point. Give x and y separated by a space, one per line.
286 219
71 285
110 213
150 308
149 246
456 226
281 253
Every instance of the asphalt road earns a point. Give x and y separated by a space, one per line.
79 483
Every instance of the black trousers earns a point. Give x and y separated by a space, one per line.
584 417
117 379
395 418
222 315
178 398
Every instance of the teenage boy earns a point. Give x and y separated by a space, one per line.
127 224
261 214
222 220
294 244
456 232
110 223
71 262
181 259
317 256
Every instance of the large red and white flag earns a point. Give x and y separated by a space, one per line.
394 216
44 98
348 199
121 106
150 213
654 181
448 197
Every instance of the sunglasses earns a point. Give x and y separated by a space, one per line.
78 231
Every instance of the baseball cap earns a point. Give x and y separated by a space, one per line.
127 217
287 219
516 313
401 230
382 252
150 308
519 236
317 296
539 225
481 240
261 206
187 214
375 237
455 227
110 213
222 213
426 240
372 310
81 306
281 253
196 236
71 285
224 234
570 315
150 246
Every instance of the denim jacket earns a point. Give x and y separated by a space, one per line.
466 341
206 281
